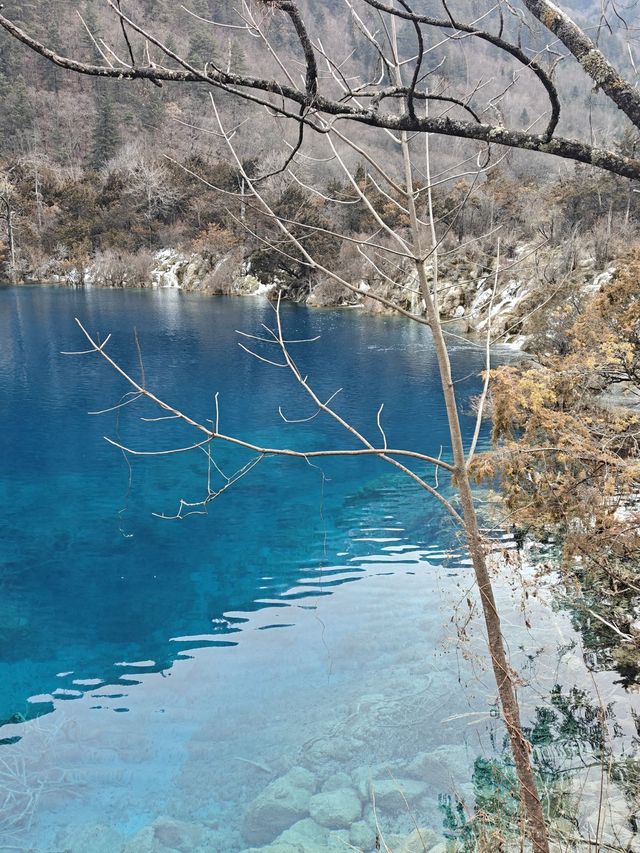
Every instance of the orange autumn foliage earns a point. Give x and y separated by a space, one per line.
566 431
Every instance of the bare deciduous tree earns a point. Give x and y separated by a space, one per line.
145 178
6 192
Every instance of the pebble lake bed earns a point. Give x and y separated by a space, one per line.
301 670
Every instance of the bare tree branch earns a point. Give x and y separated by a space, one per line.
141 391
311 102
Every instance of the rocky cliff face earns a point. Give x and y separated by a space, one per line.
219 275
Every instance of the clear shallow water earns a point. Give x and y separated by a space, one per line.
176 668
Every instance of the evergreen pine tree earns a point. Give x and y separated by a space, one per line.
201 48
106 135
19 115
91 21
202 42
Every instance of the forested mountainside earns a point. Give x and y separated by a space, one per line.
100 176
82 122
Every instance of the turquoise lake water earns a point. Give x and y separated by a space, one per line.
157 676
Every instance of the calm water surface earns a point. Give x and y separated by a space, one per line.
155 670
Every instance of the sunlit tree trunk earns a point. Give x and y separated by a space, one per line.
520 747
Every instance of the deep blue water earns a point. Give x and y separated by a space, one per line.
155 668
90 577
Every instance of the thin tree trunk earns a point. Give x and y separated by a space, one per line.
38 197
12 248
520 747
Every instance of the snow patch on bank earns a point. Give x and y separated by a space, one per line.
170 264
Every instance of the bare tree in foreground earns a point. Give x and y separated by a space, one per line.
323 102
418 246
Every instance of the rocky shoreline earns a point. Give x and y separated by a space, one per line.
467 300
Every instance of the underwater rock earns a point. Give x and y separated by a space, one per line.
278 847
393 840
304 832
338 839
392 795
330 749
282 803
95 837
336 809
564 826
166 834
418 841
441 766
337 781
306 836
362 835
362 777
614 829
445 847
